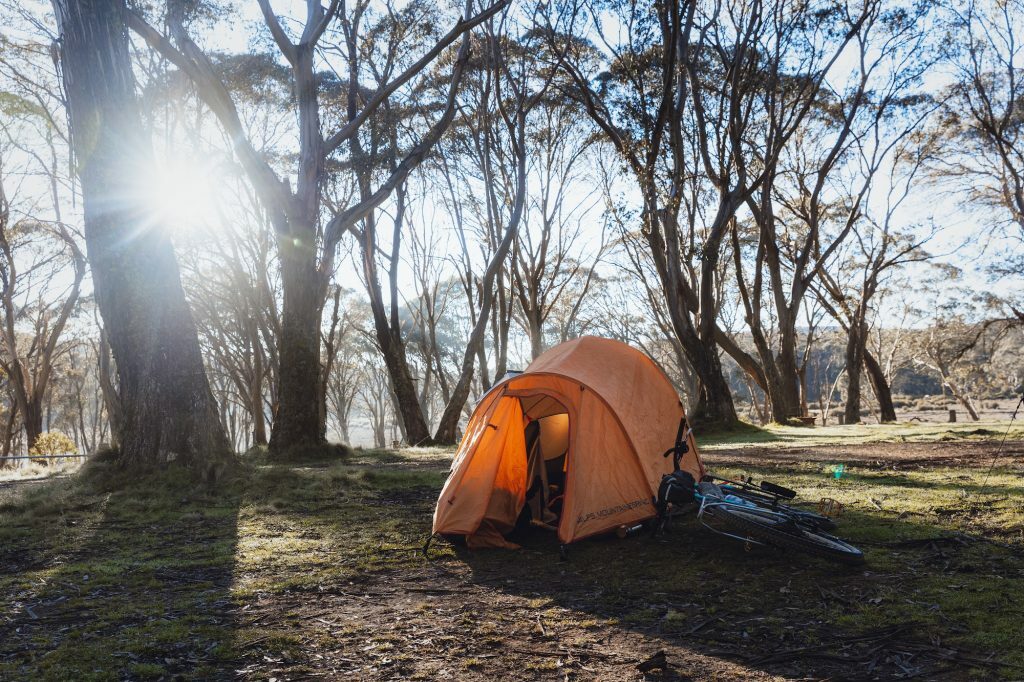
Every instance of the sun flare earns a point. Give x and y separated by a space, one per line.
183 194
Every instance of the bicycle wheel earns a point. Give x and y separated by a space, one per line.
769 528
814 520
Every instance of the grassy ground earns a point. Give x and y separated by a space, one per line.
298 572
777 435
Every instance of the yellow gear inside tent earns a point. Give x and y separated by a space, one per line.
577 440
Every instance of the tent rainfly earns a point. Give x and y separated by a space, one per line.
575 442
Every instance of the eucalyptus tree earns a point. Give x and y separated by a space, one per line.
683 91
881 247
433 311
469 168
346 376
510 86
983 124
167 409
307 230
549 257
383 236
491 114
826 143
633 86
37 300
42 264
954 348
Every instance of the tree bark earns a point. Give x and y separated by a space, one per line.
33 421
169 413
536 334
855 349
10 427
259 424
714 407
883 392
392 345
714 400
297 424
447 428
788 392
301 420
111 400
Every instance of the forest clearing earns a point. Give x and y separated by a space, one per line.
316 572
708 313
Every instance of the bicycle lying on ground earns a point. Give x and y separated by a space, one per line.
750 513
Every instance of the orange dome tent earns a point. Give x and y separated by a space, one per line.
582 430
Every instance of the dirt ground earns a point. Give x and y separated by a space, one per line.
317 574
878 456
525 616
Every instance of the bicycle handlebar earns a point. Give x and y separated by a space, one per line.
764 487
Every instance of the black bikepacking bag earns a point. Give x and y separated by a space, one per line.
676 488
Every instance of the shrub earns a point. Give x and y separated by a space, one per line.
53 443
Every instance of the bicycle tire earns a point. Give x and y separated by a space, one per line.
747 522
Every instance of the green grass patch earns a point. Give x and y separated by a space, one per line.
779 435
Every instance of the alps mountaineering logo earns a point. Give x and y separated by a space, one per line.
612 511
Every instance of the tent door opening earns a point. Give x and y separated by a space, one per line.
547 450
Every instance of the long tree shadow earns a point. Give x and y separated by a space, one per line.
692 593
111 578
333 583
296 571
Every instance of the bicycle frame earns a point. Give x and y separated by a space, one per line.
711 503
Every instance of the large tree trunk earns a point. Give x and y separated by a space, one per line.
169 413
855 346
9 430
788 391
714 406
711 402
407 400
536 333
297 424
883 392
111 400
259 423
714 402
781 379
33 421
301 420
